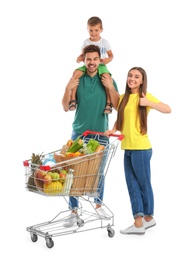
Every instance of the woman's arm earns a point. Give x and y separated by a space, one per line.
161 107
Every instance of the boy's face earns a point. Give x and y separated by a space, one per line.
92 61
94 32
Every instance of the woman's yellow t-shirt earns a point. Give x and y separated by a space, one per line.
134 140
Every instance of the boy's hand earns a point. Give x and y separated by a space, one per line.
104 61
80 58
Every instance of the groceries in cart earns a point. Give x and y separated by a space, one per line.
78 169
79 148
73 170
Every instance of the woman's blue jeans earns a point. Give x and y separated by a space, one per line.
73 201
138 179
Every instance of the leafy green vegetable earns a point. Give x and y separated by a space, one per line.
77 145
91 146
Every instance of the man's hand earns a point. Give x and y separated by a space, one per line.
107 81
73 83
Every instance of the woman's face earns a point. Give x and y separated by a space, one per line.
134 80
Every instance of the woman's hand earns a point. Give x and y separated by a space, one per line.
108 132
143 101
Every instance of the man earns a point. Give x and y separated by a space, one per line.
91 100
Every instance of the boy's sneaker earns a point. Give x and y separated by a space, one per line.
149 224
71 220
133 230
103 214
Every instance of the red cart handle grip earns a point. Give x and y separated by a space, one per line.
87 132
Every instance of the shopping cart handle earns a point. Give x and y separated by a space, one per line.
87 132
120 137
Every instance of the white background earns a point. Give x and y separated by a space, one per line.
39 43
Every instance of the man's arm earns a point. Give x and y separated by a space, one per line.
73 83
107 81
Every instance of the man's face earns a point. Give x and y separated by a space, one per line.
92 61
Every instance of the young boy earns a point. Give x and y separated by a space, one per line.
94 26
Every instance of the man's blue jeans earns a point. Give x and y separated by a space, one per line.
73 201
138 179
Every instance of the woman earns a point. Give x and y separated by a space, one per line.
133 109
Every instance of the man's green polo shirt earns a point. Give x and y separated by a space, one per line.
91 98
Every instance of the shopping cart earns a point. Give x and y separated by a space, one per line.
84 180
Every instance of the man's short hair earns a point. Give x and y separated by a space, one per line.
91 48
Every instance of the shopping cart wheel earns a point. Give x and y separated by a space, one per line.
110 230
111 233
49 242
34 237
80 222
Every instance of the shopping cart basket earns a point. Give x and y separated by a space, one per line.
84 180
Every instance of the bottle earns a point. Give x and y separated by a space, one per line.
49 160
68 182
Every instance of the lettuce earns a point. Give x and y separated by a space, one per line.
91 146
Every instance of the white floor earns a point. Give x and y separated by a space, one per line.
167 239
40 41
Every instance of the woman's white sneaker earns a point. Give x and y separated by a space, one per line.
133 230
149 224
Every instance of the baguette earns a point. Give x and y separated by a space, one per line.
69 142
100 148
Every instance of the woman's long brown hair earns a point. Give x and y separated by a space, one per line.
141 109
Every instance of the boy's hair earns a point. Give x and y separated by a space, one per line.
91 48
94 20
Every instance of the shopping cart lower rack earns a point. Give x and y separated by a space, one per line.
84 180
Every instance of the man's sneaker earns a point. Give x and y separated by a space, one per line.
71 220
133 230
149 224
103 214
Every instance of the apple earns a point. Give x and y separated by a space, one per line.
47 179
40 174
62 175
63 171
54 176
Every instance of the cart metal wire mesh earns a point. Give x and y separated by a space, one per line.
84 179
